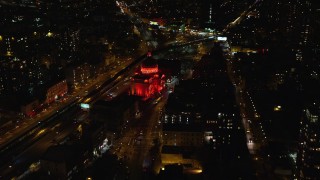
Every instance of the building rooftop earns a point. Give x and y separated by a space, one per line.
121 101
205 97
63 153
185 151
183 127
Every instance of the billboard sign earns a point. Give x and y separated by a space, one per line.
220 38
84 106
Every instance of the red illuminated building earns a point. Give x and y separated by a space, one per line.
147 82
30 108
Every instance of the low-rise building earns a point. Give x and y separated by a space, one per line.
78 75
62 161
29 109
171 155
56 91
182 135
116 112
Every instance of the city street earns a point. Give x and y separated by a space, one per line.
134 145
255 133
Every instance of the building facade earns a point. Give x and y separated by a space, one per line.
56 91
147 82
309 144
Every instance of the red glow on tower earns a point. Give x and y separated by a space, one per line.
147 81
149 70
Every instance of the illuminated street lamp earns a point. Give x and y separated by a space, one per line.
50 34
277 108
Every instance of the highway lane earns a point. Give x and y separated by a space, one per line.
32 149
28 124
24 140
